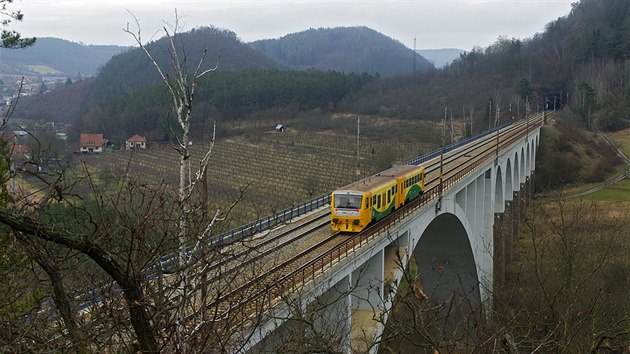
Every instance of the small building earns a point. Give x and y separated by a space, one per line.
136 142
91 143
18 151
280 128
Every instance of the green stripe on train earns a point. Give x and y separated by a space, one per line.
377 215
413 193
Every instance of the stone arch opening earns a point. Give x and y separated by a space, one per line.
448 272
499 200
528 164
522 169
508 180
534 150
517 173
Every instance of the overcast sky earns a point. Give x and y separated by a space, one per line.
435 23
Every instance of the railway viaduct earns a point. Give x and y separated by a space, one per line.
456 235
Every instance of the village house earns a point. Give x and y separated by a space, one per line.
136 142
18 151
92 143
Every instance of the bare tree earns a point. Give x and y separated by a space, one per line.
567 289
181 86
123 233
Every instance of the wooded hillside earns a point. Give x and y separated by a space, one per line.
223 96
130 71
346 49
581 60
69 59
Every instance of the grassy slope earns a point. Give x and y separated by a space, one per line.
43 69
619 191
587 239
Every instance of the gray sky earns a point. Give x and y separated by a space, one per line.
435 23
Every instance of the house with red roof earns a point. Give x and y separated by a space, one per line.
136 142
18 150
91 143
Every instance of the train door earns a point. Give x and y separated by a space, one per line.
400 192
422 173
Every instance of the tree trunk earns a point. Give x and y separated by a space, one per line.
130 286
62 303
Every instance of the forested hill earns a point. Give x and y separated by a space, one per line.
345 49
62 105
132 70
57 57
581 59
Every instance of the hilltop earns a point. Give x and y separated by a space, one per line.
57 57
345 49
580 60
132 70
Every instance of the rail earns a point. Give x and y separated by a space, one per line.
310 270
271 221
298 276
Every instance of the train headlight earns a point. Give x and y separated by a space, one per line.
355 222
335 220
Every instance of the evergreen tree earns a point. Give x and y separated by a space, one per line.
11 38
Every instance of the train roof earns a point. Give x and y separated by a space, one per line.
400 170
378 180
366 184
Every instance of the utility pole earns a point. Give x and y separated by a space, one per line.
358 135
438 206
444 127
452 129
527 105
490 116
465 135
496 126
414 53
496 120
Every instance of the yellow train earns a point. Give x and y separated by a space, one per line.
356 205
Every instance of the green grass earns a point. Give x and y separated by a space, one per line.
621 190
617 192
43 69
624 145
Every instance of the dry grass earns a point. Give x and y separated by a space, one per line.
567 285
622 139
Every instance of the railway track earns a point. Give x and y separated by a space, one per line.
265 284
270 285
302 257
263 248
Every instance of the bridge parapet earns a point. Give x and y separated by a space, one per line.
455 232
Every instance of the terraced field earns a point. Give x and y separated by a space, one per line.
275 176
346 145
278 169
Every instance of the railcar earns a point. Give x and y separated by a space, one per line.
360 203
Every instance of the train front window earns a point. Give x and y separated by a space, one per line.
348 201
